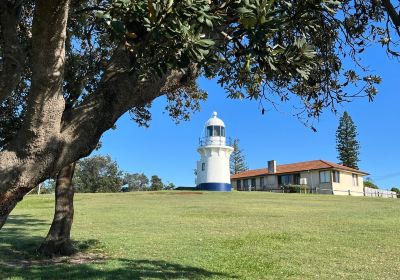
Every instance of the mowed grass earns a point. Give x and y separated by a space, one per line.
238 235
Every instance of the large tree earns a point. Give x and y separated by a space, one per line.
136 181
237 160
156 183
70 68
347 144
98 174
58 239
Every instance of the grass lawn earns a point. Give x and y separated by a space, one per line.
238 235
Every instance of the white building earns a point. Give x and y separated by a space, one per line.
317 176
213 172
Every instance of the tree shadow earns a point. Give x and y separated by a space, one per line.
18 244
120 269
19 259
16 240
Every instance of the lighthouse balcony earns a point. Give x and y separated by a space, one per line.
215 141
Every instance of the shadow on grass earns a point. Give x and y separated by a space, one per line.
120 269
18 242
19 259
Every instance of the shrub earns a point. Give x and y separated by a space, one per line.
396 190
296 188
371 185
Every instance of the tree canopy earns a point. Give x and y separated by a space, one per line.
70 69
347 144
97 174
369 183
136 181
237 160
156 183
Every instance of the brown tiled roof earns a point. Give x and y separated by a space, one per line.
296 167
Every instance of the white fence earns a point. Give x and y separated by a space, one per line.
379 193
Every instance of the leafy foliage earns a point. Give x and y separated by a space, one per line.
169 186
256 49
97 174
237 160
397 190
136 181
370 184
156 183
268 50
346 142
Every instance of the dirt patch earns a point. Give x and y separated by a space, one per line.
173 193
188 193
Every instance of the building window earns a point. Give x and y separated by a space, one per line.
253 182
245 184
284 179
336 176
324 176
291 179
239 185
203 166
355 179
296 179
222 131
262 182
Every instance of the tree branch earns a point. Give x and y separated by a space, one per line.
119 91
395 17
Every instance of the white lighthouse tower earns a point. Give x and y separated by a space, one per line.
213 172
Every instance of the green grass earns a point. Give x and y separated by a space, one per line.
169 235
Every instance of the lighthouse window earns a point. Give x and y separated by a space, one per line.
203 166
209 130
217 131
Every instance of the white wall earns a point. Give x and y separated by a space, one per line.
346 186
216 161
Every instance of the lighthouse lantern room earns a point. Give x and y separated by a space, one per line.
213 167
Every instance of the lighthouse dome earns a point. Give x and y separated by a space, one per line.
214 120
214 127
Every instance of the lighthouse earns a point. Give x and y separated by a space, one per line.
213 172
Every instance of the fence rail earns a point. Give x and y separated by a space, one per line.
379 193
287 189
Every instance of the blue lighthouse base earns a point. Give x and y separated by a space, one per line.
216 187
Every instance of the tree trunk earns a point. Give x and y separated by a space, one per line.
31 156
52 137
58 242
8 201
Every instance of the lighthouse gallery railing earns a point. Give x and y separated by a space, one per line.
215 141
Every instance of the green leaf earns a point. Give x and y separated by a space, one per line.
118 27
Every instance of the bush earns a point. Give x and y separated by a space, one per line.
371 185
396 190
296 188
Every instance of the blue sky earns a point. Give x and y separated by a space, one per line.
169 150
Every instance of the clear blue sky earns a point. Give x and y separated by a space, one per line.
169 150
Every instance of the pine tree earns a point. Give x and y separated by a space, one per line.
237 160
346 142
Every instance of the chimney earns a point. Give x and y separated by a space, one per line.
272 166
